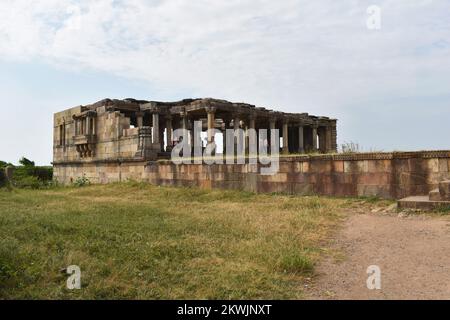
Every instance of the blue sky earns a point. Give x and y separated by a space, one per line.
389 88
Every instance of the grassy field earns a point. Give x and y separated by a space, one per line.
135 241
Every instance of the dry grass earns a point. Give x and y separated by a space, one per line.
135 241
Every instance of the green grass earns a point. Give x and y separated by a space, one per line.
442 210
135 241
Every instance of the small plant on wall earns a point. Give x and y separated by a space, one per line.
350 147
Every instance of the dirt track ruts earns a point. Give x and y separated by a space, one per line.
412 251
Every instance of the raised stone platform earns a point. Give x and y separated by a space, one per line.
421 203
438 198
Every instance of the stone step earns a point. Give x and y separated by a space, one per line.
422 203
435 195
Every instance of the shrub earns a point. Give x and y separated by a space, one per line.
32 177
44 174
350 147
27 182
81 182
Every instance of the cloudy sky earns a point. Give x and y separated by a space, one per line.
389 88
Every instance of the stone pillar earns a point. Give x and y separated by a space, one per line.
94 125
252 140
169 134
237 125
190 124
237 122
155 120
145 148
272 126
211 111
328 139
82 126
140 119
185 126
88 125
285 137
334 146
301 142
314 137
224 137
161 138
226 125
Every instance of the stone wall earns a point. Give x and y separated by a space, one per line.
115 138
386 175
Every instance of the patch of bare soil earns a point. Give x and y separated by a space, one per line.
412 251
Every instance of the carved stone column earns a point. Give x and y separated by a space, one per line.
185 126
169 134
155 123
226 125
140 119
301 142
237 125
285 137
314 137
333 142
145 149
211 111
88 125
252 139
272 126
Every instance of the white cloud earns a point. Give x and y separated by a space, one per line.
296 55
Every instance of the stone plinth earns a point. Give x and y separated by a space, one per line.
437 198
422 203
444 190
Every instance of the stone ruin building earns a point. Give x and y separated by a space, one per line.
120 140
133 130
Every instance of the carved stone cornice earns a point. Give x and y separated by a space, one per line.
210 109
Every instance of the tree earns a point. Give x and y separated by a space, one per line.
26 163
4 164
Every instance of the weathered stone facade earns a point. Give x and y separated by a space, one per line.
120 140
386 175
143 130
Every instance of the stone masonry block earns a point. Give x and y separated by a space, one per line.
433 165
444 190
443 165
338 166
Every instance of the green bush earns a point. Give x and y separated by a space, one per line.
81 182
27 182
30 177
27 175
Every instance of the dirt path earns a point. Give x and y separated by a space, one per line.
413 253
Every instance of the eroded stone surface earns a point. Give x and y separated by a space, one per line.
120 140
444 190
